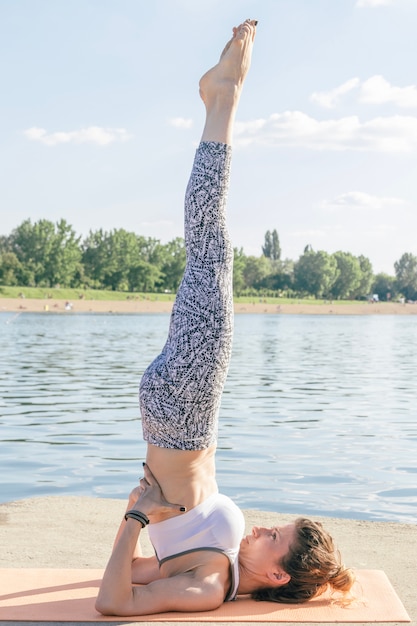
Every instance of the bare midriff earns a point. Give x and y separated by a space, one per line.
186 477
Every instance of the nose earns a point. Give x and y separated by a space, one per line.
257 531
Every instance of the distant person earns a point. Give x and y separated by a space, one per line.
202 557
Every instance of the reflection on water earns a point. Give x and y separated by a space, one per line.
318 415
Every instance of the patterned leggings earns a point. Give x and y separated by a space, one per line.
180 391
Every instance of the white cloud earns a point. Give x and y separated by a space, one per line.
296 129
329 99
377 90
181 122
92 134
359 200
374 90
373 3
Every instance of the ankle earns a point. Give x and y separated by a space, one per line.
224 95
219 125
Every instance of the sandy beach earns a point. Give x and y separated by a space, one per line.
77 532
52 305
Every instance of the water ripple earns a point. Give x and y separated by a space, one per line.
318 414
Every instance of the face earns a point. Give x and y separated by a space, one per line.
264 548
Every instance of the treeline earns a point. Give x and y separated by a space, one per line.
47 254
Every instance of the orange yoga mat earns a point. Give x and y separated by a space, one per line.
47 595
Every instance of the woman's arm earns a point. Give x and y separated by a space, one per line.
116 591
116 586
191 591
133 498
144 569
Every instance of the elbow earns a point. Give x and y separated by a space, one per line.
102 607
105 606
111 605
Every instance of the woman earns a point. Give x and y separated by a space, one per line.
201 556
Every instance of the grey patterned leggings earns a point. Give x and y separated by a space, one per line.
180 391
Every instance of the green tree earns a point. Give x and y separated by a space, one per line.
348 275
124 255
171 261
65 259
366 280
10 269
276 248
143 276
32 245
238 271
4 243
385 286
255 270
109 257
121 260
406 274
49 253
152 250
267 247
96 257
315 273
271 248
281 276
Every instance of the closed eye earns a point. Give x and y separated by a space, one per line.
275 534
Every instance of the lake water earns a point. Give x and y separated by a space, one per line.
319 413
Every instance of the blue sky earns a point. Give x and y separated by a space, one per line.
100 117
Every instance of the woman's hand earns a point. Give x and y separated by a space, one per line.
148 497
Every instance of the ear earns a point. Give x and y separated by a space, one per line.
278 577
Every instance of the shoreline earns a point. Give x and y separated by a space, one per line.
90 523
55 305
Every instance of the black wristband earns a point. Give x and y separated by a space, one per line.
138 516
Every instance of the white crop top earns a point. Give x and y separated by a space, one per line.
216 524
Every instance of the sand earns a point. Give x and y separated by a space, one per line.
52 305
77 532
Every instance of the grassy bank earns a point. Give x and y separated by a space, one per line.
39 293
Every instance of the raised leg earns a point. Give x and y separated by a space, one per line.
181 390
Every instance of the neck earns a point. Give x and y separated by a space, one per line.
248 581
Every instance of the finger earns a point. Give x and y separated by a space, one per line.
178 507
143 484
149 477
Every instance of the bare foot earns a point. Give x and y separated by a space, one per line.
225 80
